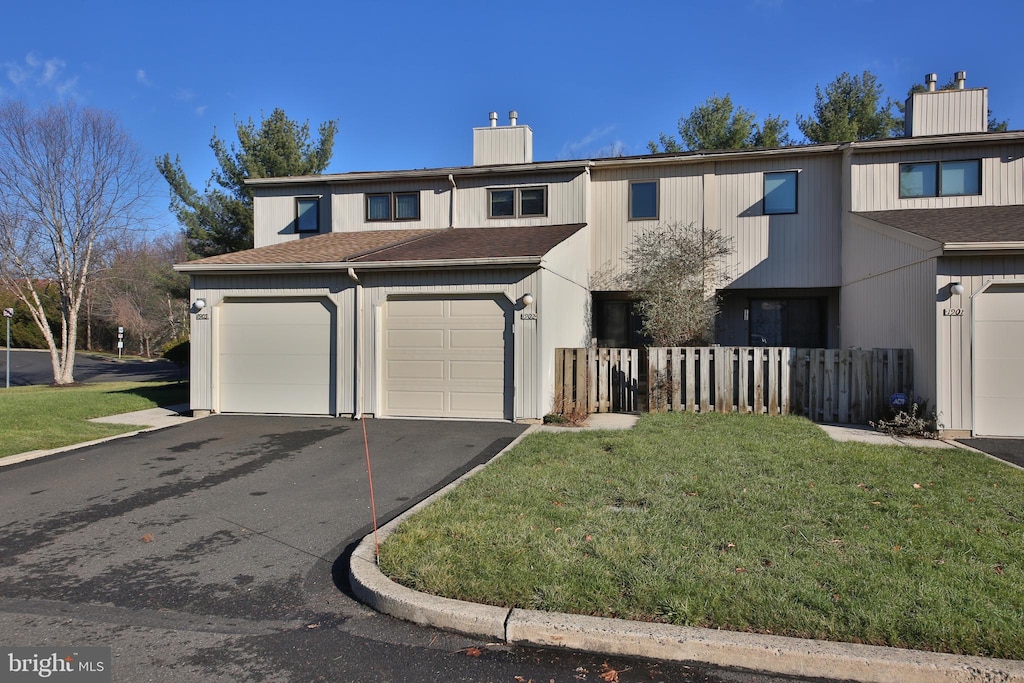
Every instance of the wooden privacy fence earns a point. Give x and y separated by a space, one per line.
848 386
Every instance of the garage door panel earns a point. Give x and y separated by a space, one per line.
998 348
297 339
416 339
287 398
486 340
276 356
413 370
477 370
476 308
415 308
475 404
445 357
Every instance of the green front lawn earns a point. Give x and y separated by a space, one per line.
39 418
738 522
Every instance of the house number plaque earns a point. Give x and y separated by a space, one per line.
527 316
956 312
202 316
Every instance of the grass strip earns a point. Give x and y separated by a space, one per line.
740 522
44 417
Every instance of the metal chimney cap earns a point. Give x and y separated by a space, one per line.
512 117
960 77
494 119
930 80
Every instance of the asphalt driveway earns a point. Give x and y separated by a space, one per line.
1010 450
33 367
217 551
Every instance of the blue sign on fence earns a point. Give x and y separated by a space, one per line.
898 400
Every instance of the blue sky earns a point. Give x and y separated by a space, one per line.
407 81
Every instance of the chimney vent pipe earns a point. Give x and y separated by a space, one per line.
494 119
930 80
960 77
513 116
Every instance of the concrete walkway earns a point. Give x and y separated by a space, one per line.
869 435
148 420
757 652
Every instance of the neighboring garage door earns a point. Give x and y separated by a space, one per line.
276 356
999 361
446 357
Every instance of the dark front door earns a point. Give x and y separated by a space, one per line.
788 322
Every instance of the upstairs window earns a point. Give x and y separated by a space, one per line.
643 200
393 206
519 202
940 179
779 193
307 214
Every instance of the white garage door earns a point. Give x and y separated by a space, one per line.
999 361
445 357
276 357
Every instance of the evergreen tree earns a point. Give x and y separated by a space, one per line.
718 124
850 108
220 220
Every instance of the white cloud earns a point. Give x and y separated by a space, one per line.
140 76
200 110
36 72
184 95
574 148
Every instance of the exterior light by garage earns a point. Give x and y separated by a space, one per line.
956 288
198 305
527 299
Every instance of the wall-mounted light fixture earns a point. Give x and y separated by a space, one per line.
956 288
198 305
527 299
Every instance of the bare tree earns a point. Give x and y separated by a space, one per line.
675 271
71 179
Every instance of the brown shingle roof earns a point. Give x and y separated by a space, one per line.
476 243
330 248
402 245
961 225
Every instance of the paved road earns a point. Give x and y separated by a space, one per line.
217 551
31 367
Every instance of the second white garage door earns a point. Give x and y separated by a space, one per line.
446 357
276 356
999 361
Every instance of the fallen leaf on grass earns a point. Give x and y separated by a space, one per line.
897 548
740 570
917 486
999 569
148 538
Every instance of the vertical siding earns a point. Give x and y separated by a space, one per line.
274 212
791 250
502 145
563 309
954 333
567 199
348 205
216 288
797 250
680 200
888 301
948 111
875 177
512 283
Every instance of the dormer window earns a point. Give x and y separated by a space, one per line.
307 214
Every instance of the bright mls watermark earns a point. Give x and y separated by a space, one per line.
60 664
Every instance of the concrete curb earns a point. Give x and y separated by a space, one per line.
123 418
752 651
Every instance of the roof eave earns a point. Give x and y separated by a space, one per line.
983 246
229 268
456 171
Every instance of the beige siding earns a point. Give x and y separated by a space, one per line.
502 145
567 199
888 300
274 212
875 177
562 307
948 111
511 283
680 200
954 336
773 251
216 288
348 205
